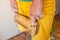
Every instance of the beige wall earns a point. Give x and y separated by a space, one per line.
8 27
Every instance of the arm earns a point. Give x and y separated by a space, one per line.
36 10
38 4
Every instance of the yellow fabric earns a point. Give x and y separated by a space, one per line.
45 22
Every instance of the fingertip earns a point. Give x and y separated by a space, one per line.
37 17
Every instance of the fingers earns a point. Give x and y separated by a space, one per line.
35 17
32 20
15 9
41 15
13 5
38 17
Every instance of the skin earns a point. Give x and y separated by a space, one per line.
36 10
13 5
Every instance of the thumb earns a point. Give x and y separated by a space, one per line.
32 20
15 9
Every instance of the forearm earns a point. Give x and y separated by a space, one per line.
38 4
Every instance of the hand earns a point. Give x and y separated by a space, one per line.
13 5
35 13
